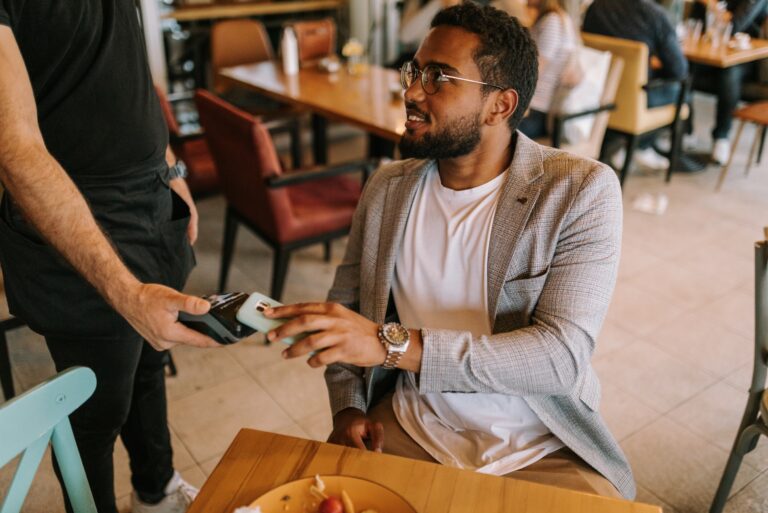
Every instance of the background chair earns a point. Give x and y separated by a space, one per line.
632 117
591 147
754 422
244 41
316 39
286 210
193 150
757 114
37 417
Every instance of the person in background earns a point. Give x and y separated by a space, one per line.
726 83
462 320
556 35
96 228
417 14
647 22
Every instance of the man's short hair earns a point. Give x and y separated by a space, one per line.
506 55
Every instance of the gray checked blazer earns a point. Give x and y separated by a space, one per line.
553 257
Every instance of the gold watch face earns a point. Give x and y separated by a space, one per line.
395 334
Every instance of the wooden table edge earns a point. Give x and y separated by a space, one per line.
327 113
311 446
213 11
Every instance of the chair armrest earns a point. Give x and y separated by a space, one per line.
186 137
560 119
661 82
288 179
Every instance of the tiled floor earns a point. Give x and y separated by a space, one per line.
674 356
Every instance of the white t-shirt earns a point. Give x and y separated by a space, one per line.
440 282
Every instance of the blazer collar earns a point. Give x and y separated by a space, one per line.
519 193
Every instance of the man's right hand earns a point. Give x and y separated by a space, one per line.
351 428
153 311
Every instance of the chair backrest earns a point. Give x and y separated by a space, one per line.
631 98
591 147
235 42
40 415
316 39
245 159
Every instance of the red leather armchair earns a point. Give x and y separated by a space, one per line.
193 150
286 210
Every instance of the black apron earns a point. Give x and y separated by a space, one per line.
147 224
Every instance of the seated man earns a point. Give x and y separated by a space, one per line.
725 83
499 255
647 22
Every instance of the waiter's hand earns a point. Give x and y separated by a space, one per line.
179 185
352 428
153 311
337 334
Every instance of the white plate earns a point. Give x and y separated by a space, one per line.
364 494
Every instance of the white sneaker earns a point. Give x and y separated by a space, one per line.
618 158
178 496
648 158
721 151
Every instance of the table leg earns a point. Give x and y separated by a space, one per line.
319 139
379 147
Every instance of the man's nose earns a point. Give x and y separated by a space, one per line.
415 92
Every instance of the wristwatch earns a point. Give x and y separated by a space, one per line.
178 170
395 338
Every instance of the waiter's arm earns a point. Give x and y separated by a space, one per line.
50 201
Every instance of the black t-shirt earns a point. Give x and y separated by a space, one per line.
96 105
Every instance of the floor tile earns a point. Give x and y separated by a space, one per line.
752 499
208 421
639 311
704 344
658 379
200 368
612 338
299 389
318 426
678 466
624 413
643 495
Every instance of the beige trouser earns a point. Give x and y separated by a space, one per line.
562 468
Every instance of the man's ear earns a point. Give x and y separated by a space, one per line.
502 107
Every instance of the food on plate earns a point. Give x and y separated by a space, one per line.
331 505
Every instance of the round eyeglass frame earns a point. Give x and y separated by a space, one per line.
431 77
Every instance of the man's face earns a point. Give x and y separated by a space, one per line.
448 123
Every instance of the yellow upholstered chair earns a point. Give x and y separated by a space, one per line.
632 118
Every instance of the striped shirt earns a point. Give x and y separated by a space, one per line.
556 39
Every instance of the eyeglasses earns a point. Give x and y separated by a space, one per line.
431 77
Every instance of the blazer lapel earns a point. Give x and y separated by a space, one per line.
401 191
518 196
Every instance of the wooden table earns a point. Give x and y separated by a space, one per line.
216 11
723 56
362 100
257 462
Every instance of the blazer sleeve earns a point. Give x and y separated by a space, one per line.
346 383
551 355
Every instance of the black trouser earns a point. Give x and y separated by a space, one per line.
129 401
725 83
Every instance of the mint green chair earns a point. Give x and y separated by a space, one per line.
39 416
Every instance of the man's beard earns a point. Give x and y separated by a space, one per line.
456 140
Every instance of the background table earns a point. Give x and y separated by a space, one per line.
257 462
362 100
723 56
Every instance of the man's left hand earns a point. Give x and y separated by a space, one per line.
336 334
180 187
